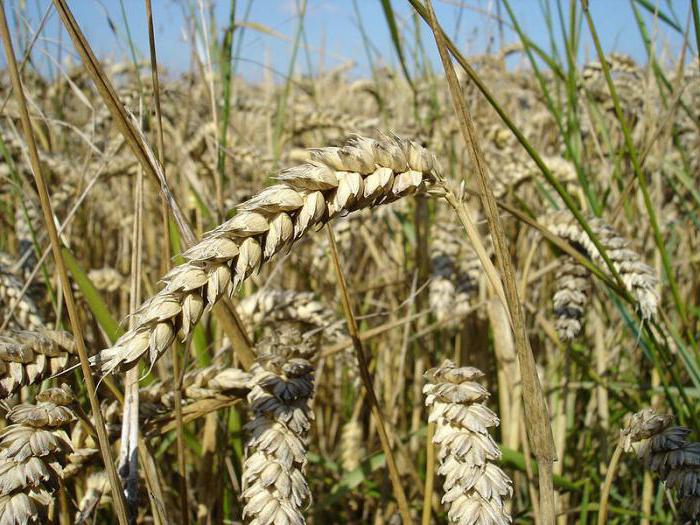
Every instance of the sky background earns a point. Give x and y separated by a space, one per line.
332 32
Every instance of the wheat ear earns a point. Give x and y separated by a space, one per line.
27 357
665 450
26 314
274 486
33 452
272 306
639 279
475 488
363 173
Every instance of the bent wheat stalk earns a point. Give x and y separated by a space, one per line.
361 174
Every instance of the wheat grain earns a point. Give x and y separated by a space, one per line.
363 173
351 447
26 314
475 488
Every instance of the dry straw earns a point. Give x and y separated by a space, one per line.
363 173
274 486
476 490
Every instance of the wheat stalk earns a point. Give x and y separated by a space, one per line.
475 488
363 173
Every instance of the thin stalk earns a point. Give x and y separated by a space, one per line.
696 26
605 492
226 73
103 441
429 474
177 375
539 429
658 237
367 380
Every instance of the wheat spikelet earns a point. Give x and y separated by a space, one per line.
475 488
638 278
361 174
272 306
33 451
666 451
27 357
274 487
573 286
26 314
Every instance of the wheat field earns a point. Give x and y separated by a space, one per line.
462 288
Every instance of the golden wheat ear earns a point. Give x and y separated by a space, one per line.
475 489
361 174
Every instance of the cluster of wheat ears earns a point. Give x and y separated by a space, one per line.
470 317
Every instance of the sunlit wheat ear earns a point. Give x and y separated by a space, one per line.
274 484
572 290
27 357
106 279
270 306
665 450
26 314
639 278
475 488
33 451
351 446
361 174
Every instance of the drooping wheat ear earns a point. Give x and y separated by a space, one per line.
666 451
26 314
638 278
455 270
475 488
572 289
361 174
272 306
27 357
351 447
274 487
32 453
212 382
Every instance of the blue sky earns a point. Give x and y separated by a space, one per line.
332 33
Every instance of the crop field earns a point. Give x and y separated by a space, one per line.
425 285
